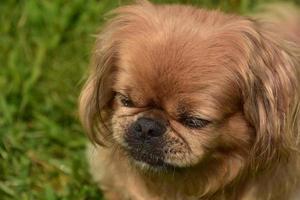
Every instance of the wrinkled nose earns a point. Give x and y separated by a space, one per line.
147 128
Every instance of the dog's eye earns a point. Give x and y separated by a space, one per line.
194 122
125 101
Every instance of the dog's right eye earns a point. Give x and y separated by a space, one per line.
194 122
125 101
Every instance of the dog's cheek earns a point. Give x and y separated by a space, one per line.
175 150
119 127
186 148
236 134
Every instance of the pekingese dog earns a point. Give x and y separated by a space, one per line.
188 104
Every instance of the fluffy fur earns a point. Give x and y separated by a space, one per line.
240 75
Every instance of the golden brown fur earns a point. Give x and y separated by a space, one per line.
237 73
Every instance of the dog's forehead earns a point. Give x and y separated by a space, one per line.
172 63
171 75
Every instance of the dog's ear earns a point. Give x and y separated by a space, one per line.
271 95
95 98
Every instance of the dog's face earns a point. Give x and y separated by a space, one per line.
173 105
178 90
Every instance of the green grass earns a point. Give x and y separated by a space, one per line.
44 53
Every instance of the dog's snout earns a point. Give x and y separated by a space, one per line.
145 141
147 128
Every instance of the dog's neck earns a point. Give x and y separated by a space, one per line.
213 179
204 181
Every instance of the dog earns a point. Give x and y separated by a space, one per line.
183 103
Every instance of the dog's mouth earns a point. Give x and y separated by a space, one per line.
147 157
152 159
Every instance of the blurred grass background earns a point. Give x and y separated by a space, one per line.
44 52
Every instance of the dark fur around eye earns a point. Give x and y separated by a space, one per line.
194 122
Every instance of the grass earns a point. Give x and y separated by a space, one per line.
44 53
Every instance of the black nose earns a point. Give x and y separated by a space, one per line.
147 128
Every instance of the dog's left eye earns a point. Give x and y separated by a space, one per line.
125 101
194 122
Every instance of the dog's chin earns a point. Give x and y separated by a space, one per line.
150 167
150 162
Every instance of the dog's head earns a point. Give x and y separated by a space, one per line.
174 86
